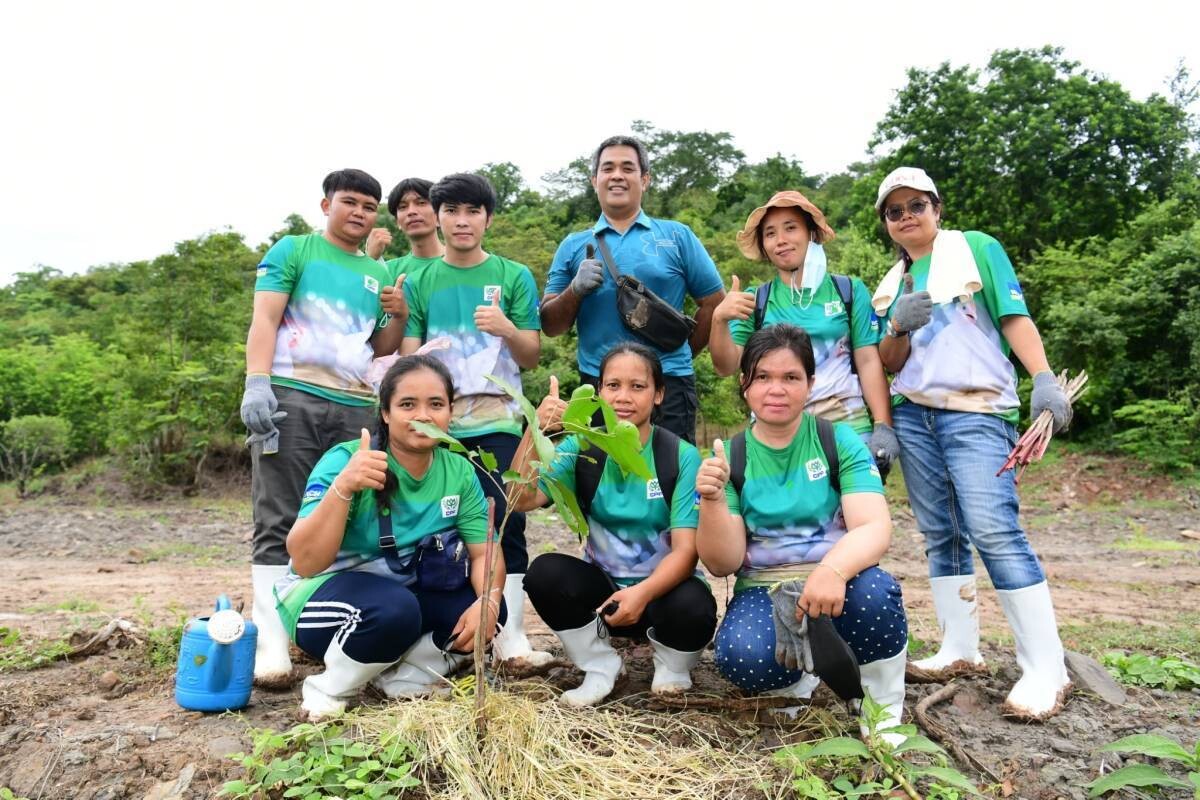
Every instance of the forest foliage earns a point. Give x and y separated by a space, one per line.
1093 192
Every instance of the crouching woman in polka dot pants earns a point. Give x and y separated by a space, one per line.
791 518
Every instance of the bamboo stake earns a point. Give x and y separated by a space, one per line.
485 618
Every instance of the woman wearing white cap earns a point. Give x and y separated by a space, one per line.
835 311
947 339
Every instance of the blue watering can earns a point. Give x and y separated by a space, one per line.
216 661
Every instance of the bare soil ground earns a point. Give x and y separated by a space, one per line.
1111 537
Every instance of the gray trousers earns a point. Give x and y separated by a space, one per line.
312 426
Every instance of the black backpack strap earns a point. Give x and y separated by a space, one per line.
761 296
737 462
828 440
589 466
666 462
845 290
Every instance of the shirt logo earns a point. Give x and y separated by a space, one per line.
490 292
1014 292
874 470
653 490
371 284
816 469
262 271
450 506
314 492
833 308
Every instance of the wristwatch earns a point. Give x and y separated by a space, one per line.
895 334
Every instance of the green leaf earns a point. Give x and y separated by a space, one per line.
580 410
949 777
842 746
1148 744
511 476
567 505
1133 775
919 744
622 443
434 432
488 460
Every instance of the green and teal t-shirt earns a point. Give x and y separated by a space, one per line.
409 265
791 511
323 345
836 394
441 303
447 496
959 360
630 522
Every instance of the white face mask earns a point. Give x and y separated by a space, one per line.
815 266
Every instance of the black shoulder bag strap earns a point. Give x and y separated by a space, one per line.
760 304
737 461
845 290
609 262
829 447
666 462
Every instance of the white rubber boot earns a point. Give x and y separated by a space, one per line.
801 690
511 645
327 693
601 664
958 617
884 679
272 662
1044 683
420 670
672 668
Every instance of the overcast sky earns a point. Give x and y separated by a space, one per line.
130 126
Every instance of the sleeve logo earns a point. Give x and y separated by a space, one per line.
314 491
450 506
1015 293
261 272
816 469
653 490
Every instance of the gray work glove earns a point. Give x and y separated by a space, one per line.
912 310
588 277
885 447
1049 396
259 413
791 635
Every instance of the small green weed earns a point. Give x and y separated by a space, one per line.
1142 541
7 794
316 761
1142 775
200 555
1139 669
874 768
74 605
16 654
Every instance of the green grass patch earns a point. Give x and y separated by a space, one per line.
18 653
1140 541
74 605
202 555
1180 638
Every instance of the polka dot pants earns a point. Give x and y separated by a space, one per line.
872 623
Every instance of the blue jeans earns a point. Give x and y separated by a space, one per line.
873 623
950 460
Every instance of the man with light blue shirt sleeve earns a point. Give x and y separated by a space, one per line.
664 255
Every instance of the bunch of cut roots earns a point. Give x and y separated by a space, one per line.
1033 443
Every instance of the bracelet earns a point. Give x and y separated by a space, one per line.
836 571
894 333
333 486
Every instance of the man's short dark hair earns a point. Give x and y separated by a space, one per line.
418 185
622 141
352 180
463 188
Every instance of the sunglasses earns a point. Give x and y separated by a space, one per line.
916 207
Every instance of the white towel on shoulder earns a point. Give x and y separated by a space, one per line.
953 273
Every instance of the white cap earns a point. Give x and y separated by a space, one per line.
904 177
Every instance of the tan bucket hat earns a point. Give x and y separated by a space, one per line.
747 237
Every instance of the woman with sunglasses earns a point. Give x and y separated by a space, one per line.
790 232
947 339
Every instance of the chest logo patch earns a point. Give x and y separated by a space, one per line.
450 506
833 308
491 293
816 469
653 490
371 284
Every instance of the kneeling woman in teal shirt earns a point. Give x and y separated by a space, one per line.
352 598
795 516
638 574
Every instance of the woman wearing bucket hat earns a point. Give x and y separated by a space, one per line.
789 231
954 310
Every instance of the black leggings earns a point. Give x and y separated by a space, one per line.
566 590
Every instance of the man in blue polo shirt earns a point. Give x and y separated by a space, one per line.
663 254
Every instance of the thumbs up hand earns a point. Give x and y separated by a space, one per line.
735 305
713 474
550 411
589 276
393 301
366 470
489 318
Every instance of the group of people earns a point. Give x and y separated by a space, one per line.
364 522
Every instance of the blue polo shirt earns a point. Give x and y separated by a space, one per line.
663 254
